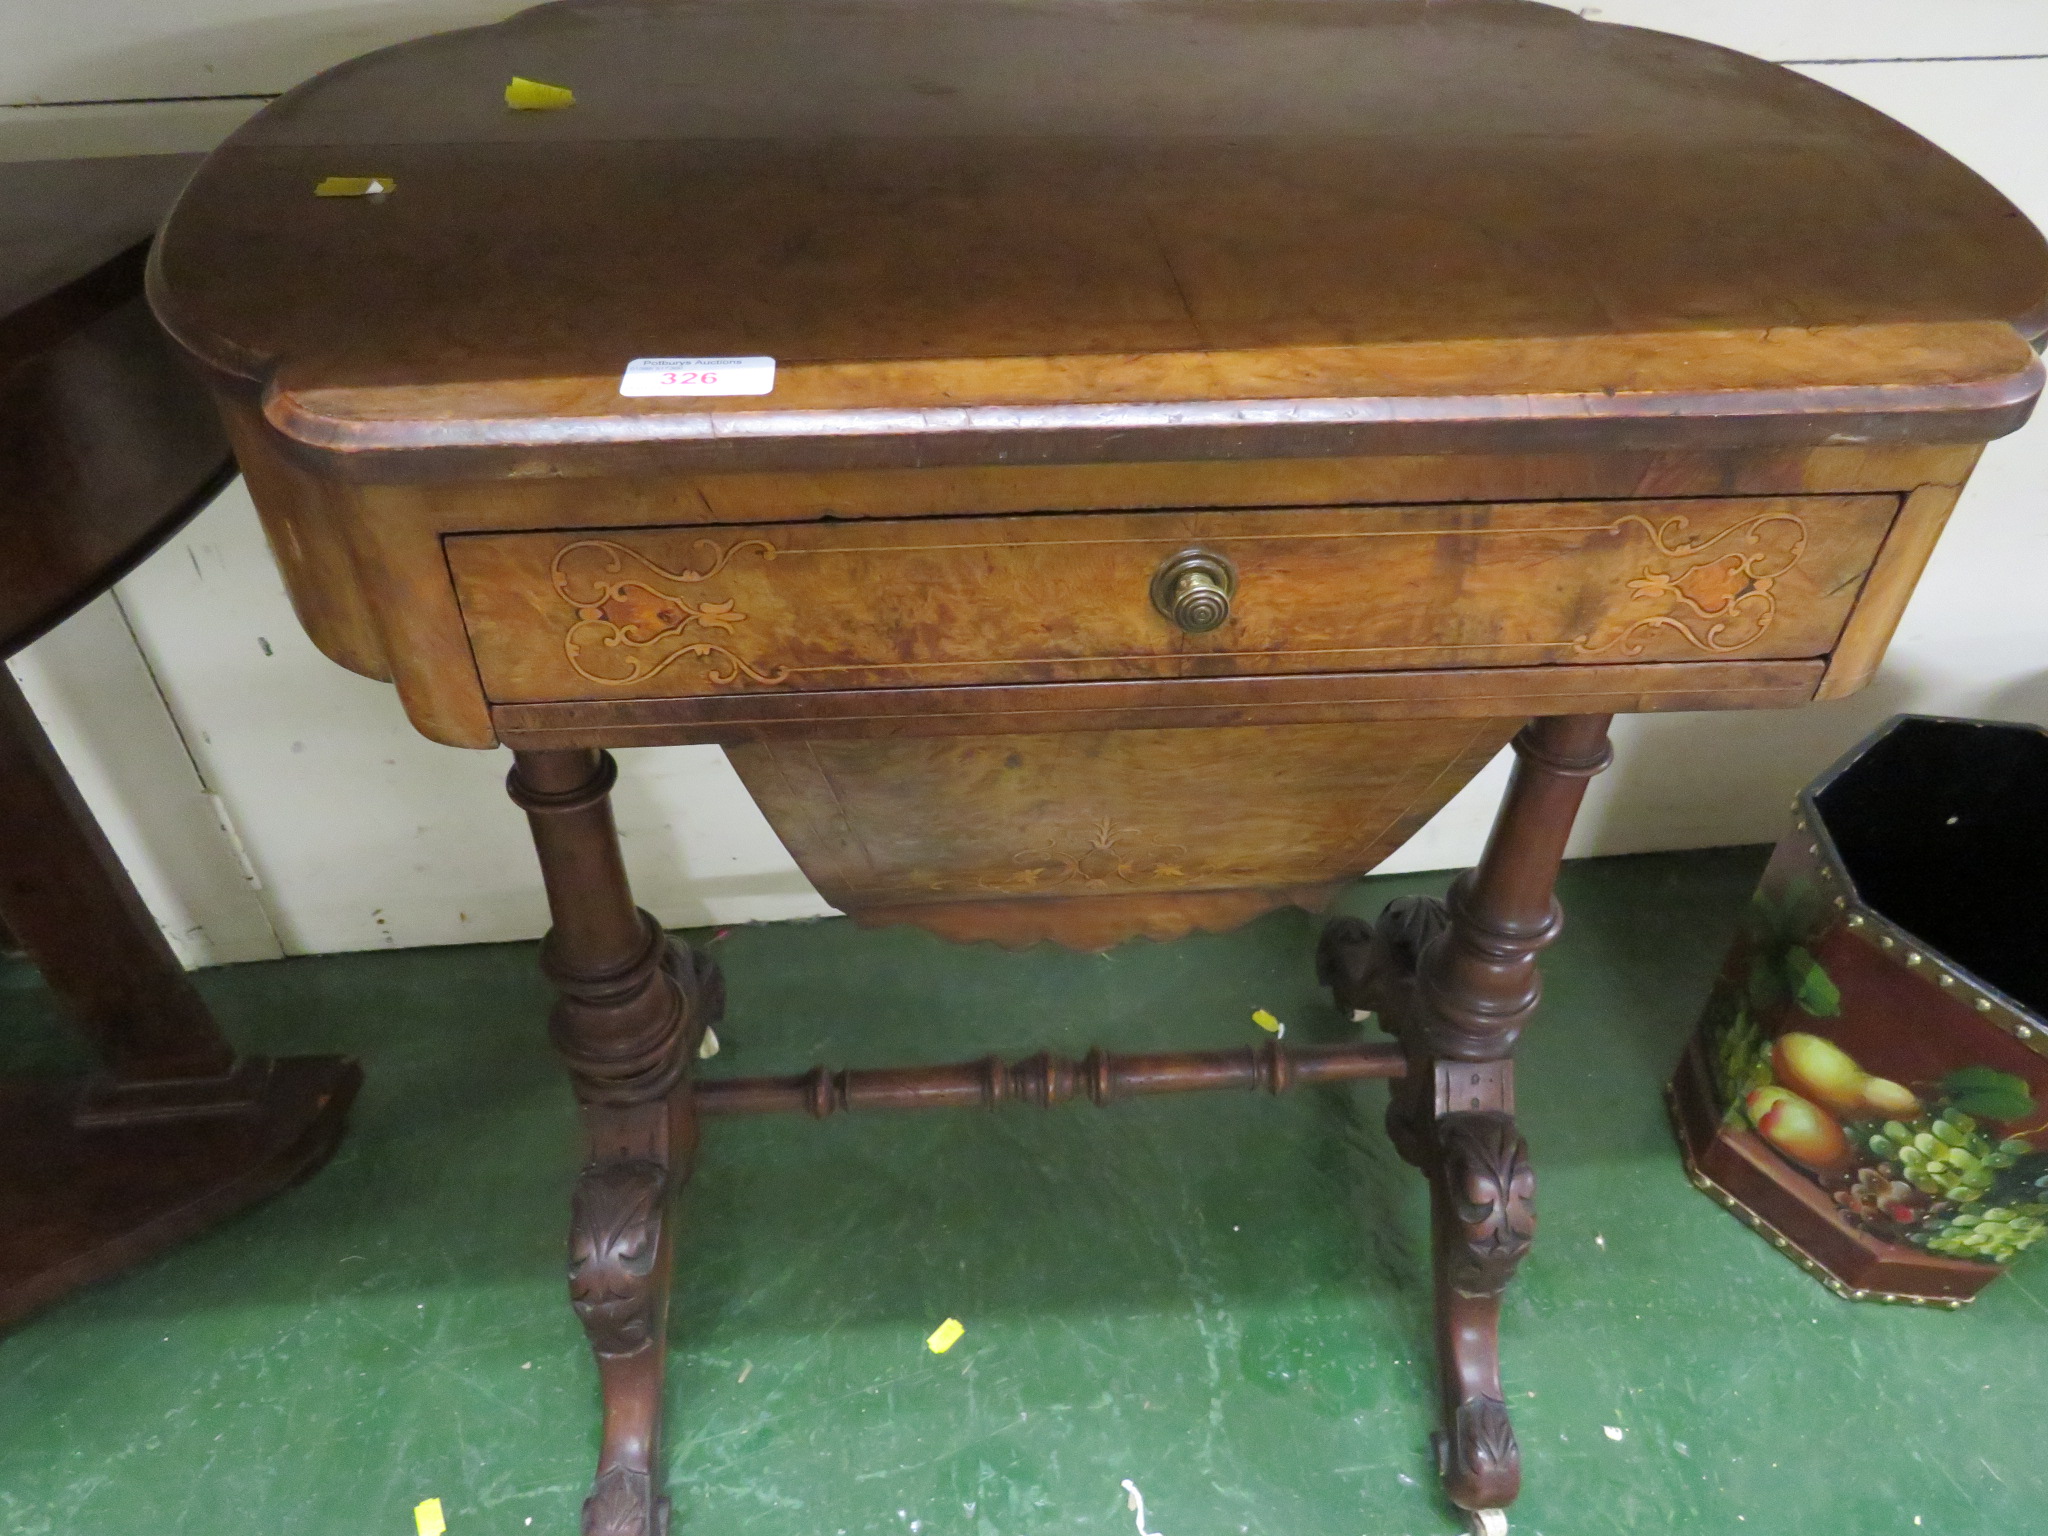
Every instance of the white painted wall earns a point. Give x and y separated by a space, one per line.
194 696
365 833
1800 31
94 694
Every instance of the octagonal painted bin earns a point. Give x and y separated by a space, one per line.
1868 1087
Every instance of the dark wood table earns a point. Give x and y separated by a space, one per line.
107 446
1097 470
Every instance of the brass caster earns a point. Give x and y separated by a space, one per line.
1487 1522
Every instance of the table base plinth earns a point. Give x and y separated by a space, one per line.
81 1203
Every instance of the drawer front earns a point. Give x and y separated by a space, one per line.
1058 597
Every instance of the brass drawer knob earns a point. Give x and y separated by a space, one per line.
1193 590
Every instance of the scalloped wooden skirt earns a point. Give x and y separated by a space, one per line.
1091 838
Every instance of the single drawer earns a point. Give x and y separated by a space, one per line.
1057 597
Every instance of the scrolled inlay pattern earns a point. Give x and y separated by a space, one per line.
1716 602
631 626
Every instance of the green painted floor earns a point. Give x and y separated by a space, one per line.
1221 1298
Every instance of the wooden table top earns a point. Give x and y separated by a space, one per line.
1038 228
72 238
107 444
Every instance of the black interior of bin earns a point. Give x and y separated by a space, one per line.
1943 827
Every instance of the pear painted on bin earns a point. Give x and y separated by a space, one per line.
1800 1129
1823 1073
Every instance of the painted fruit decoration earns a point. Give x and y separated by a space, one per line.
1947 1163
1800 1129
1830 1077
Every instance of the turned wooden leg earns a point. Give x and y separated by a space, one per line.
632 1007
1455 981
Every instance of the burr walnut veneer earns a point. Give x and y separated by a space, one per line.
1202 433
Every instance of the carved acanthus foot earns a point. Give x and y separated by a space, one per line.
624 1503
1479 1451
618 1283
1483 1197
614 1242
1492 1189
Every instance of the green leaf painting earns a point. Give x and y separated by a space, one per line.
1781 969
1812 988
1989 1094
1779 919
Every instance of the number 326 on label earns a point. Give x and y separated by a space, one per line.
698 376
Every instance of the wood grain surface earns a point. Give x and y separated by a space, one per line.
106 441
911 821
1505 364
74 235
1168 703
811 606
1044 229
368 576
107 446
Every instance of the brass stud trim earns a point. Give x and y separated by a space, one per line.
1763 1228
1875 929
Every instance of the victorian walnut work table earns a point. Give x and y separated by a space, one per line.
1198 435
107 448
